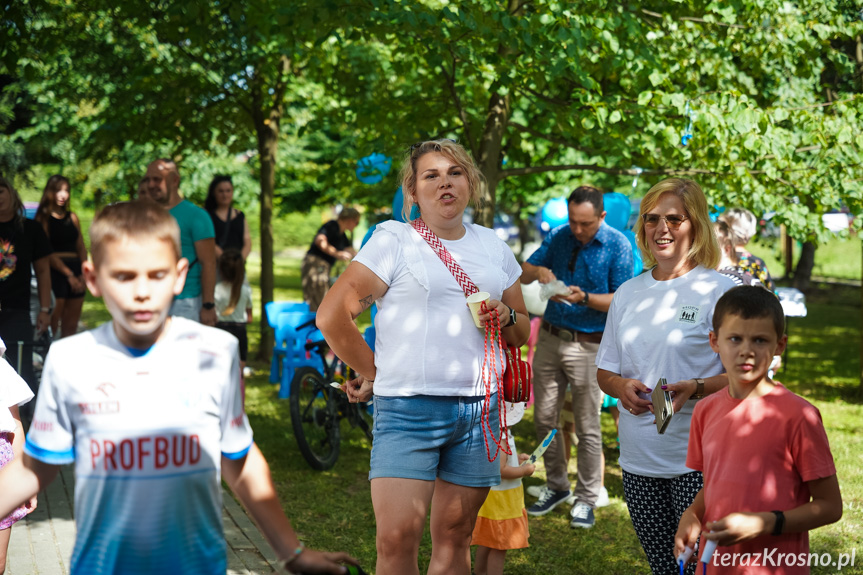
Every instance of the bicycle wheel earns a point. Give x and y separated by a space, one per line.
314 418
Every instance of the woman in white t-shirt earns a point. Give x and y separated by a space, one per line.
426 372
658 327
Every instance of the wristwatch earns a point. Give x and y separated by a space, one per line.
513 317
780 523
208 305
45 310
699 389
585 300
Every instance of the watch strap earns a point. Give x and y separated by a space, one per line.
780 523
513 317
699 388
208 305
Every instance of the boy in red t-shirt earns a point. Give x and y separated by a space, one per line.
769 475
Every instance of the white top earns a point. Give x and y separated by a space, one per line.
222 296
146 435
660 329
13 391
426 341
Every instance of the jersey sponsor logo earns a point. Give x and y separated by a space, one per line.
689 314
148 452
107 388
42 425
237 421
100 407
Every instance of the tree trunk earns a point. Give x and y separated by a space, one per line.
268 140
490 145
803 273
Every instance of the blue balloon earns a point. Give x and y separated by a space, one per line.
637 262
555 213
373 168
716 212
617 208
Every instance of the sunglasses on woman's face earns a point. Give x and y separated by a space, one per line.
673 221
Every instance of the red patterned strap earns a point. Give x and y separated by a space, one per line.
437 247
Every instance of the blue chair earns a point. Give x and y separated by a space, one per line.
289 351
274 308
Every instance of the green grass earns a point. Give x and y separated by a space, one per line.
837 258
333 510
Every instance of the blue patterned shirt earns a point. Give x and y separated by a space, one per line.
600 267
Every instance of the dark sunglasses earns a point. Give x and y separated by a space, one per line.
419 144
673 221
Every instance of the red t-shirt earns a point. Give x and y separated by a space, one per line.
757 455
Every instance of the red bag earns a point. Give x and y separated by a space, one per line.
518 377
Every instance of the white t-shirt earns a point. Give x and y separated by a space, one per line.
146 435
661 329
426 341
13 391
222 295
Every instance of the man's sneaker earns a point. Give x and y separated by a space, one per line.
602 500
538 490
582 516
548 501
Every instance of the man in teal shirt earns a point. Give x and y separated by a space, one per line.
197 240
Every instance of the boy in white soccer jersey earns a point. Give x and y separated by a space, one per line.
148 407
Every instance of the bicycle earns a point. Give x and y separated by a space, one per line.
317 409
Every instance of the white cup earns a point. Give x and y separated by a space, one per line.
474 302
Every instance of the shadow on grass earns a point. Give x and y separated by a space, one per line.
823 360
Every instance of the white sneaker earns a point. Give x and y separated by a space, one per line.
539 490
602 500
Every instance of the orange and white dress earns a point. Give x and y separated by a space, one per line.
502 520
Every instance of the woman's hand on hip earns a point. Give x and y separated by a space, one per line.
359 389
630 399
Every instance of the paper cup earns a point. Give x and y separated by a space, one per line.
474 301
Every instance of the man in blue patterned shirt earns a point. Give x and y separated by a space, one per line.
592 259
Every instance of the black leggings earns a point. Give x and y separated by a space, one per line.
655 506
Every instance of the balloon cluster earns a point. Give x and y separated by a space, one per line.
373 168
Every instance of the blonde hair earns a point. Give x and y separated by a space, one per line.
742 223
451 150
133 220
705 248
726 240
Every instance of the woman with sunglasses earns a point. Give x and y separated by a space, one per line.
658 327
426 372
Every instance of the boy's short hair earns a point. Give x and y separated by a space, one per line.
750 302
133 220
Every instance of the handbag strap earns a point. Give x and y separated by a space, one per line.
440 250
492 333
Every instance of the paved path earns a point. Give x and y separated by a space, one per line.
42 543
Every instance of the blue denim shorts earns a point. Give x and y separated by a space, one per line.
425 437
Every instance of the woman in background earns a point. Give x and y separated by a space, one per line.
63 229
229 223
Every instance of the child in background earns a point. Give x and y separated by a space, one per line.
769 476
148 407
234 304
14 391
502 520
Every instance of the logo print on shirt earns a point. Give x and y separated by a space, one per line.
689 314
106 388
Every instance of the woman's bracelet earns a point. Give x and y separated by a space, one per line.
296 553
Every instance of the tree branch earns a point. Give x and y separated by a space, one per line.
559 141
450 79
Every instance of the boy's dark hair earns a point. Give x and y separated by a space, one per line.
590 194
132 220
750 302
